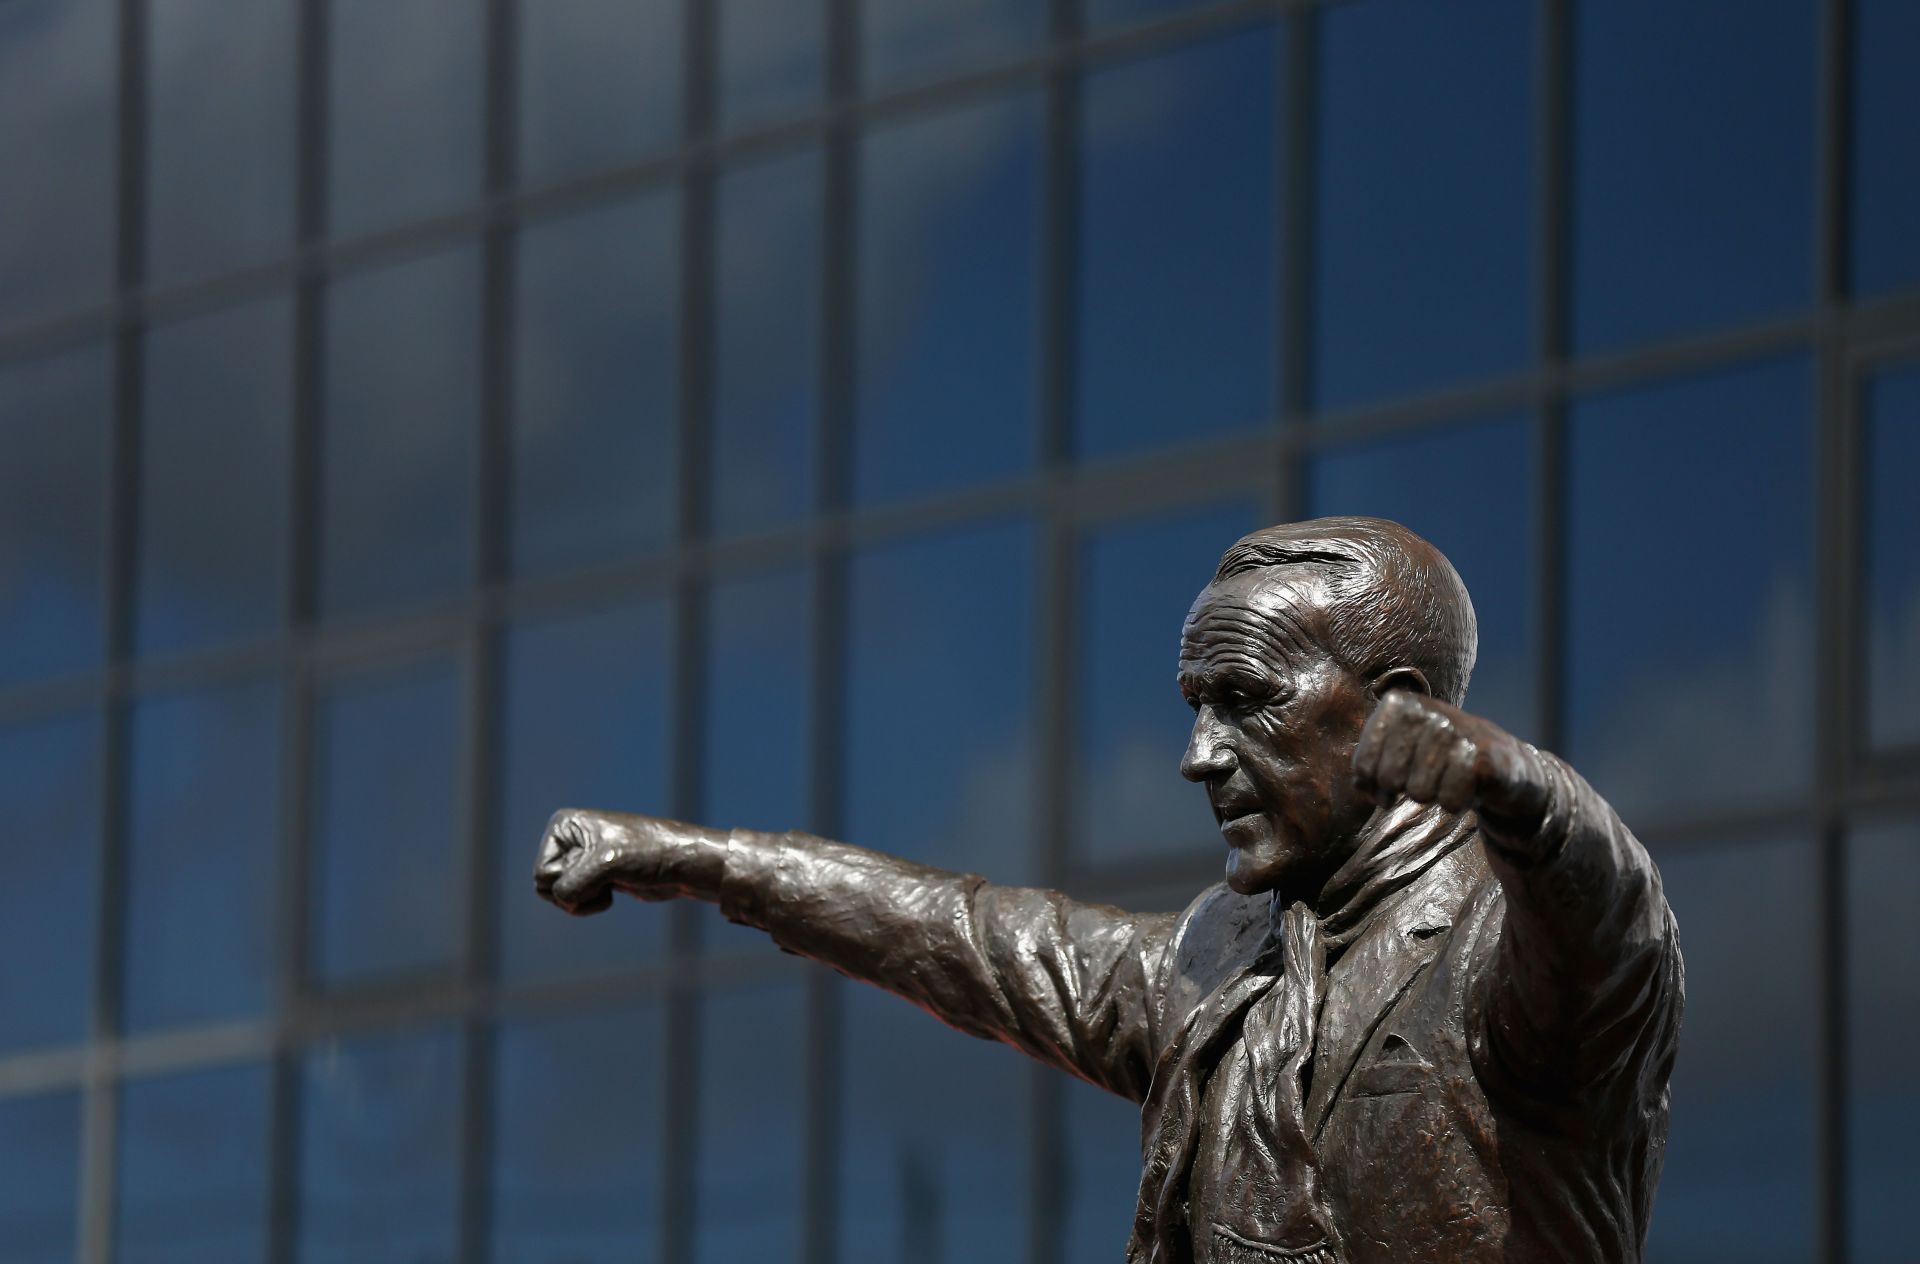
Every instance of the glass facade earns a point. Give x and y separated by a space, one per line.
417 416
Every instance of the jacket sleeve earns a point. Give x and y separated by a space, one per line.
1075 985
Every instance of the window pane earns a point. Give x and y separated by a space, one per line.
192 1183
1109 12
39 1178
1893 560
1885 198
578 1114
752 1111
380 1150
1425 246
1177 271
1468 490
204 831
1692 168
920 39
1141 579
767 344
1883 1010
214 460
587 725
1739 1177
1690 617
949 294
1102 1176
55 416
388 863
57 121
770 58
49 790
596 385
599 83
220 145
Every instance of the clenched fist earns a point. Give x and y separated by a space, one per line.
1434 752
586 856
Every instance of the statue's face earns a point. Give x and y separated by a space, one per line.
1275 723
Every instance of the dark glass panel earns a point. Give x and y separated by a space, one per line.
771 58
949 300
1885 198
767 344
1177 270
201 846
402 398
1693 160
1690 619
752 1112
55 421
600 83
1739 1180
577 1165
220 143
39 1178
587 726
1883 1030
1141 578
1111 12
1102 1176
596 385
192 1183
921 39
49 874
1893 560
1424 258
214 478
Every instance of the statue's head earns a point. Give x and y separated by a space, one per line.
1284 655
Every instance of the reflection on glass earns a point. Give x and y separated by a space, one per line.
55 415
1690 619
387 883
214 459
49 869
767 344
56 121
1469 491
1140 580
1425 247
39 1178
596 385
1739 1176
578 1110
1692 169
1885 198
587 719
1111 12
1177 267
1883 1030
752 1112
919 39
949 296
203 833
1102 1176
599 83
771 60
380 1150
193 1165
220 143
944 622
1893 560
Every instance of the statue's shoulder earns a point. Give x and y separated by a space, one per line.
1220 931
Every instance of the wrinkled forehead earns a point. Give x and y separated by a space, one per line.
1272 618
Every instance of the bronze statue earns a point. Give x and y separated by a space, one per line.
1429 1016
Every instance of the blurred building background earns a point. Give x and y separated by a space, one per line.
418 415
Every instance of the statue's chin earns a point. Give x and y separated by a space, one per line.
1246 876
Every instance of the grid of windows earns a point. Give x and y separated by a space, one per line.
420 416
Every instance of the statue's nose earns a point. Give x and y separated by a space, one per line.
1208 755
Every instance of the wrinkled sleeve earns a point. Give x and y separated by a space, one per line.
1075 985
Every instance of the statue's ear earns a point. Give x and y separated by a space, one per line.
1410 678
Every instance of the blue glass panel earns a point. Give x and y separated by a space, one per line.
1469 491
55 415
1111 12
1177 272
587 726
1692 168
1424 260
1886 185
947 620
752 1112
220 143
39 1178
767 344
214 475
402 398
1690 618
599 83
405 100
1883 1030
1102 1176
1893 560
1739 1180
204 830
57 114
192 1182
949 300
1140 580
920 39
771 58
380 1150
49 790
387 855
579 1104
596 385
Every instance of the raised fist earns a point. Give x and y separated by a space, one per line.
586 856
1434 752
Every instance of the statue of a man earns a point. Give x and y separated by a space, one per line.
1429 1016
